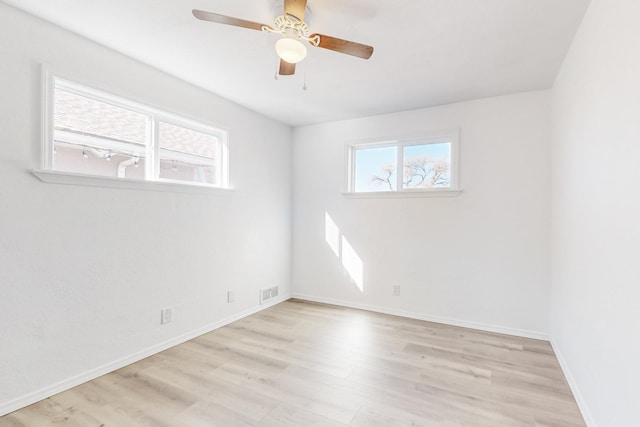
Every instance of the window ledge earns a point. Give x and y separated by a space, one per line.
68 178
402 194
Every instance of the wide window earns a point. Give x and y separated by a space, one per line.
95 133
424 164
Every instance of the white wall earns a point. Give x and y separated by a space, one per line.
479 259
595 321
85 271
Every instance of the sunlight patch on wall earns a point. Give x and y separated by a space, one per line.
353 264
342 249
332 234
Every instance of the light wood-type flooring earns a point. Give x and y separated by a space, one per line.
305 364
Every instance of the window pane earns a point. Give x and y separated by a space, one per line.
375 169
188 155
427 166
85 116
88 160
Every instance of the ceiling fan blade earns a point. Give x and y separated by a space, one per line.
286 69
295 8
344 46
227 20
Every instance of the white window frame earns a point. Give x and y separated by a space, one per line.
150 150
423 138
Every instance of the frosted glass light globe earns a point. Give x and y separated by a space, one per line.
291 50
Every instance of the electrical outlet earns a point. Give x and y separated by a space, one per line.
166 315
396 290
231 296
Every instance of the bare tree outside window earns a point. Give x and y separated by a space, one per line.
375 168
385 177
402 166
426 172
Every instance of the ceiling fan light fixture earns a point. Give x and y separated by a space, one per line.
291 50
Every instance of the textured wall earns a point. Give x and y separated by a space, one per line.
84 271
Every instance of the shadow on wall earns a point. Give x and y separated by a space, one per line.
343 250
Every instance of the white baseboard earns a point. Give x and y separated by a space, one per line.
429 318
582 404
21 402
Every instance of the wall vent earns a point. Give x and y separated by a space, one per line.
267 294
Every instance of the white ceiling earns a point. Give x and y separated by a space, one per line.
427 52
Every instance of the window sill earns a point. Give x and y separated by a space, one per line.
402 194
68 178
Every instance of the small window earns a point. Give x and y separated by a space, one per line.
427 164
95 133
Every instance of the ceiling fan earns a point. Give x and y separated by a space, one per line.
292 27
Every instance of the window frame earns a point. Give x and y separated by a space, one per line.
150 150
423 138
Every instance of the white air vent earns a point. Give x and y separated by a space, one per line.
267 294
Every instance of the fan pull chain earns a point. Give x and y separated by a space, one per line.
275 76
304 85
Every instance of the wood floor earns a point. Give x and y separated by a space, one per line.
304 364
